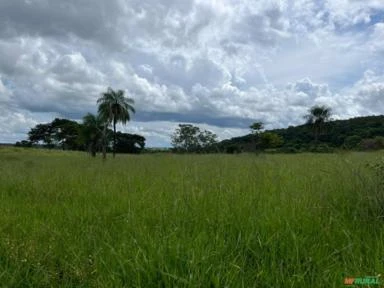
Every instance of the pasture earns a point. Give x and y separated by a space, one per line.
304 220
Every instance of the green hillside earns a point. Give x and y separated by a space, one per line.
361 133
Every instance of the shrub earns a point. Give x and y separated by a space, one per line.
321 148
372 144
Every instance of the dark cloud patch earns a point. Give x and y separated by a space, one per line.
232 122
43 18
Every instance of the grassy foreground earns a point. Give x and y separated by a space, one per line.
67 220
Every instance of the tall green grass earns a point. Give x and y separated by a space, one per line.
306 220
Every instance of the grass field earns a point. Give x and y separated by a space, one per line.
305 220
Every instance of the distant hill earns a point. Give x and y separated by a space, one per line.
353 133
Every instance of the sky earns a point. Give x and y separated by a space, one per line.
218 64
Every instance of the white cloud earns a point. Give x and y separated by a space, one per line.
367 95
15 124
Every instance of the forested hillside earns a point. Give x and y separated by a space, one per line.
361 133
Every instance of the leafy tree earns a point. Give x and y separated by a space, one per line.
317 117
66 133
207 140
189 138
270 140
24 143
114 107
129 143
41 133
352 142
256 127
185 138
61 133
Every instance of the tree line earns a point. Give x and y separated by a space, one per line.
97 133
94 133
189 138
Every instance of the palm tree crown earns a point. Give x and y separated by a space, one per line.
317 116
114 107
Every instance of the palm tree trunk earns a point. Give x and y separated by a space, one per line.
317 134
92 149
104 141
114 137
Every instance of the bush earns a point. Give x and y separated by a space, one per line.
372 144
352 142
24 143
321 148
289 149
233 149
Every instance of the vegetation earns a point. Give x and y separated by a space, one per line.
361 133
189 138
114 107
269 140
319 134
62 133
305 220
318 116
93 134
256 127
129 143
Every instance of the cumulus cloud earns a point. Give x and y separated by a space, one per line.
16 124
222 64
367 95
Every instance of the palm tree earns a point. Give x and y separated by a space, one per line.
256 128
114 107
317 117
93 132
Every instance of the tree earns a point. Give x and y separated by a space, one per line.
41 133
352 142
256 128
189 138
185 138
24 143
207 140
129 143
60 133
114 107
66 134
317 117
93 132
270 140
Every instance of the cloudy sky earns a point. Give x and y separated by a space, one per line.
221 64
